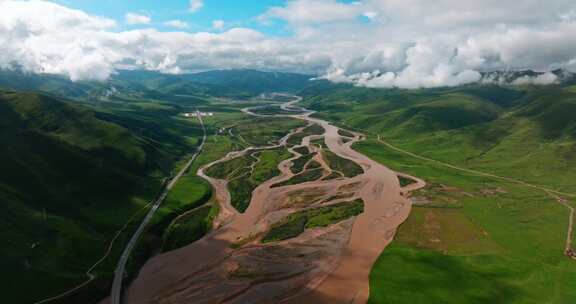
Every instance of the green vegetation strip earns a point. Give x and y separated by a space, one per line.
404 181
296 223
313 165
296 139
320 143
300 162
302 150
346 166
345 133
242 181
333 175
306 176
235 167
190 227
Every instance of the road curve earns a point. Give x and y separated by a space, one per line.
116 293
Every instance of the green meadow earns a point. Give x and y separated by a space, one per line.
493 241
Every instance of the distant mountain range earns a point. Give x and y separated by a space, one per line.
238 84
155 85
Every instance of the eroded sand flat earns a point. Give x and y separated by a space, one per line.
322 265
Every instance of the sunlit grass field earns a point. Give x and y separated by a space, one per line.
499 242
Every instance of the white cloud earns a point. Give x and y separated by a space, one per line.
414 43
179 24
196 5
370 15
544 79
419 43
313 11
218 24
43 17
426 64
135 18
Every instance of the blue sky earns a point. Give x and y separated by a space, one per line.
235 13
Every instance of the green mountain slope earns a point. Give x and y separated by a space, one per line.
70 179
516 131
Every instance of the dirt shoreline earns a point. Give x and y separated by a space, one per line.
330 265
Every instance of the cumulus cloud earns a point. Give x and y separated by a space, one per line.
544 79
424 64
218 24
407 43
178 24
135 18
196 5
313 11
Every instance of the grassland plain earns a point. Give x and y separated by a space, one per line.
498 242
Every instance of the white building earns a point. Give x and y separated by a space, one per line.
203 114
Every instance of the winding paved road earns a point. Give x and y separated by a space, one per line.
116 294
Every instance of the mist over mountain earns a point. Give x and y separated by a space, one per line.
229 83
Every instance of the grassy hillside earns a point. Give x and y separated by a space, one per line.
495 241
491 240
70 179
526 132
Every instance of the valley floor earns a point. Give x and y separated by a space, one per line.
308 234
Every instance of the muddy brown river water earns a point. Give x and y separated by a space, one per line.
322 265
